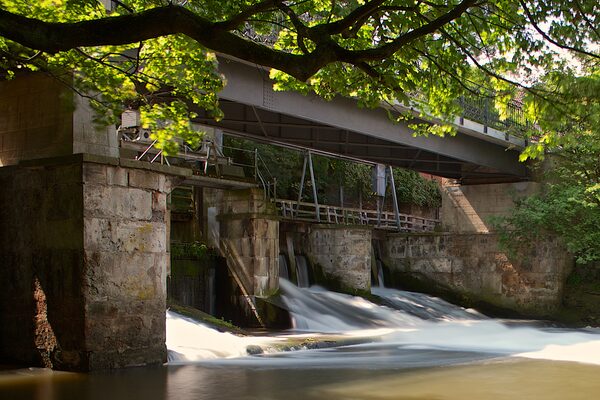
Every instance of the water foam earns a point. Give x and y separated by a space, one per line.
189 340
415 322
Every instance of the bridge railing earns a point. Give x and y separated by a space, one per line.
301 211
482 110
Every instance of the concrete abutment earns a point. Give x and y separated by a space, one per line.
84 255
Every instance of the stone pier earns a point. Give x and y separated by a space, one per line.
84 258
83 236
244 225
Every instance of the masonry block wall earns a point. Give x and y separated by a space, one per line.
41 118
126 258
343 253
83 261
246 229
468 208
340 255
473 265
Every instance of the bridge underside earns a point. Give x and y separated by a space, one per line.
253 110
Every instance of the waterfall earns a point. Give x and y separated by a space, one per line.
302 271
320 310
407 329
188 341
422 305
283 267
418 321
380 281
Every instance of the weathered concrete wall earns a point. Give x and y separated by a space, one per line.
126 264
249 237
41 118
343 253
83 264
340 255
473 265
468 208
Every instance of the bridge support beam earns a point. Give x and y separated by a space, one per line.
83 263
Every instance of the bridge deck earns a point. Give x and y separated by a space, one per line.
476 154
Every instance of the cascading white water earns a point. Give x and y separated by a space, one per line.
412 329
422 305
284 272
424 322
380 280
302 271
189 340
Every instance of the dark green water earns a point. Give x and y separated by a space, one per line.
497 379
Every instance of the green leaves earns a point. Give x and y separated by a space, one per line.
569 137
423 54
170 126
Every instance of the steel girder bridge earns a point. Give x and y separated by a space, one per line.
478 153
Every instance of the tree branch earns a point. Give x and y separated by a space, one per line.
341 25
390 48
240 18
549 38
161 21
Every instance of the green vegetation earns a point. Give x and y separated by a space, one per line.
330 173
193 251
569 204
159 55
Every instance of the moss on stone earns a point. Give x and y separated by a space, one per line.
335 284
200 316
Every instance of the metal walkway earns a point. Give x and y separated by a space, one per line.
291 210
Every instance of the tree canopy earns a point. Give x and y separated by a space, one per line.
569 202
160 54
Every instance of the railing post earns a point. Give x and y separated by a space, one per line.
255 164
394 197
301 184
314 186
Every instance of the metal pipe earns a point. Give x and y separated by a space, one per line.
147 149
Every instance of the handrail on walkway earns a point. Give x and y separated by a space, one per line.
301 211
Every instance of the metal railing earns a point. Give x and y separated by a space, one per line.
301 211
210 159
482 110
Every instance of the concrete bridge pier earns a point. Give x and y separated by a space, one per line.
84 258
244 226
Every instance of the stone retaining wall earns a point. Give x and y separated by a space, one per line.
340 255
474 266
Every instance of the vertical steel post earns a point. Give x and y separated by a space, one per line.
301 184
394 197
314 186
255 164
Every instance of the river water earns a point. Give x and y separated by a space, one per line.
343 347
